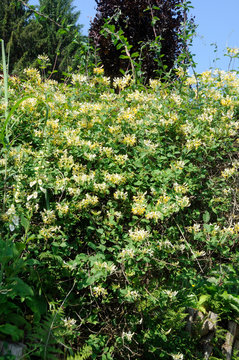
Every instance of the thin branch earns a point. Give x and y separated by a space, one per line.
152 15
54 318
40 14
190 248
187 51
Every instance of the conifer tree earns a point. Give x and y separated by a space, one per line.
51 31
57 42
14 18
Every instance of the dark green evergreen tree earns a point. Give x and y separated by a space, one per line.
50 29
59 30
14 18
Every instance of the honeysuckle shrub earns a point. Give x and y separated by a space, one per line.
119 211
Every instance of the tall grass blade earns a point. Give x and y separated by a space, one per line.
3 131
5 79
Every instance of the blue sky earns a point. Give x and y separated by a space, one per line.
217 22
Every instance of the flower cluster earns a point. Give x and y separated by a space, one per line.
131 193
139 204
138 234
122 83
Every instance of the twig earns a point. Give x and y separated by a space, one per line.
52 323
187 52
189 247
54 66
152 15
40 14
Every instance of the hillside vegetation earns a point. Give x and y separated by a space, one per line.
119 213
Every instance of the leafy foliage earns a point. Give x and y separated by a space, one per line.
58 42
54 34
14 20
119 211
84 354
44 338
151 29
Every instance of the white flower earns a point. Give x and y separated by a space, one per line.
147 251
34 196
99 291
44 58
228 172
11 227
233 52
132 293
78 78
32 183
69 323
11 210
120 195
154 83
107 266
122 82
150 145
177 356
127 335
170 293
127 252
15 220
138 234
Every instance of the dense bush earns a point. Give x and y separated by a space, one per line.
118 212
150 28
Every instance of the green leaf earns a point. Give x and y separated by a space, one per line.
202 300
92 245
124 57
206 217
12 330
18 103
119 46
31 237
61 32
20 246
135 54
202 309
20 288
235 307
16 319
90 281
25 223
232 300
37 304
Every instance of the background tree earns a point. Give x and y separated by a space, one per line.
58 42
51 31
14 18
150 26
